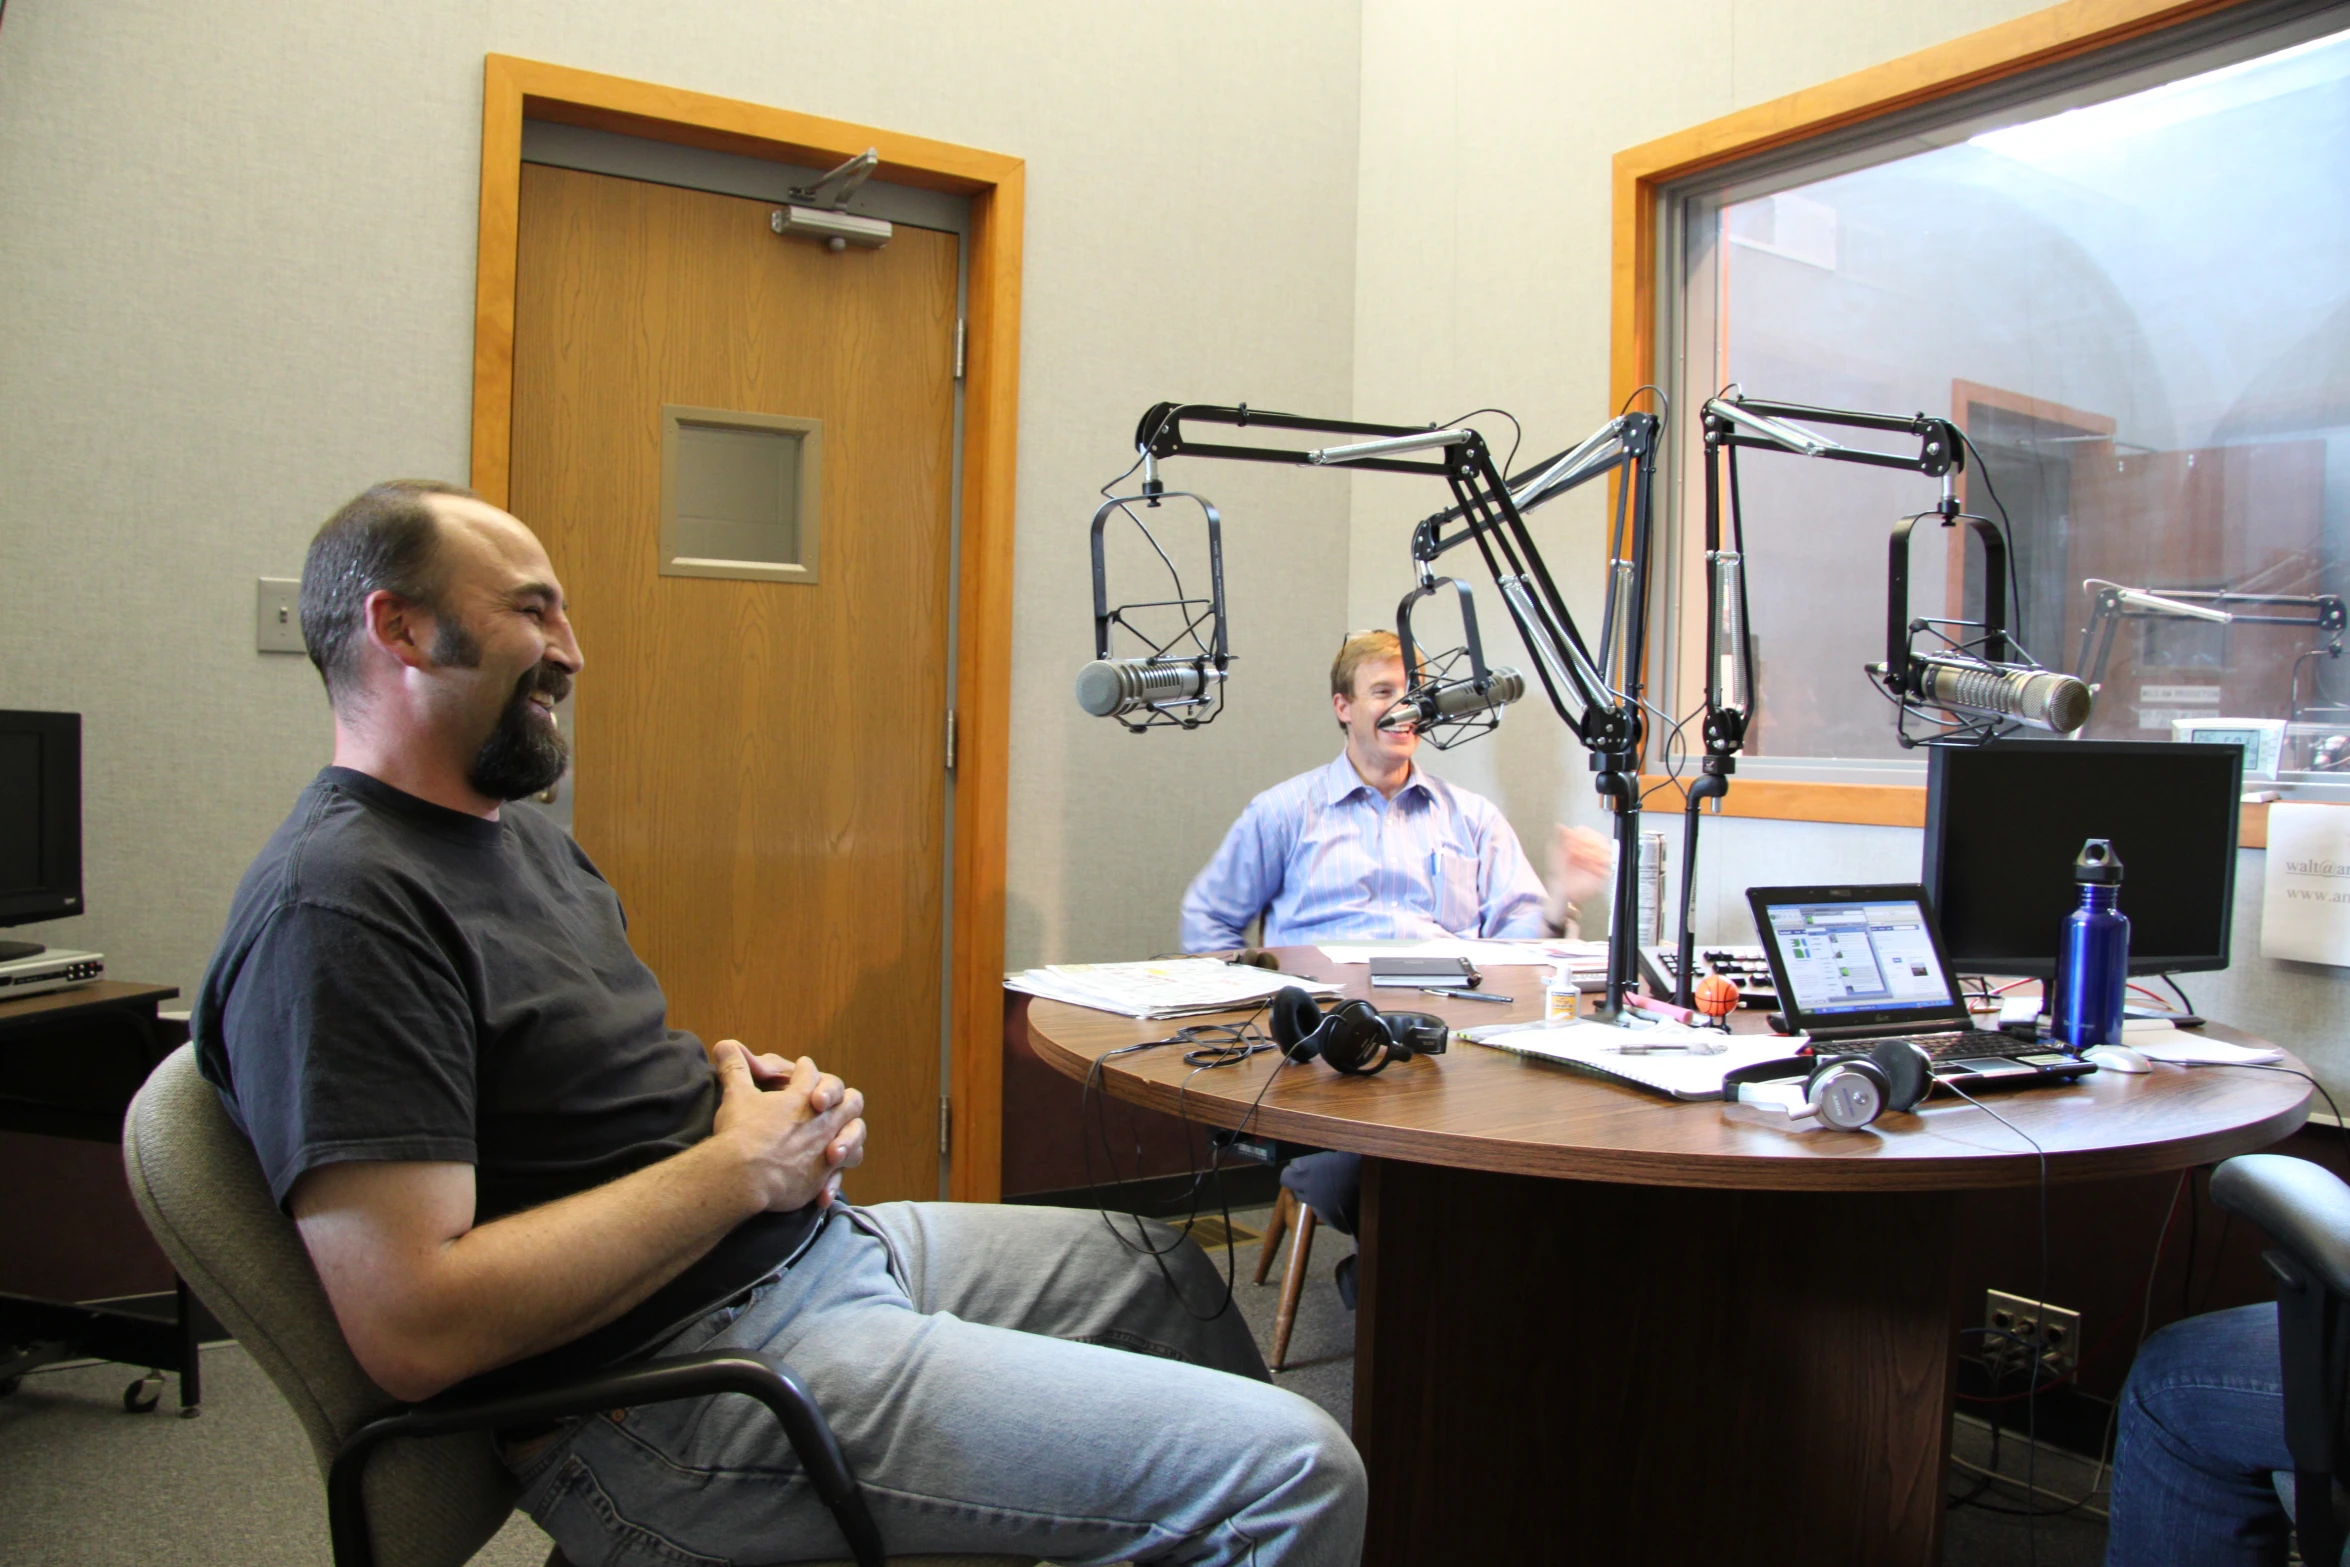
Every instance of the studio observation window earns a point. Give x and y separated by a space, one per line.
2132 292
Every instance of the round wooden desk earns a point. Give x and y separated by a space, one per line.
1597 1325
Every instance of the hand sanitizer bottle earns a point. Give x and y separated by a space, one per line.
1560 999
2092 955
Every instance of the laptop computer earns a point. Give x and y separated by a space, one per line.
1856 965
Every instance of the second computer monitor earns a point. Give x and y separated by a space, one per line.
2004 822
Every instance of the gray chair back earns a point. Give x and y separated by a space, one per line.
200 1189
429 1503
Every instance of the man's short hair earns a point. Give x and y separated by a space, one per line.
1360 648
385 539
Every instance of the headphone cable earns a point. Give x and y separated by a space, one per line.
2032 1377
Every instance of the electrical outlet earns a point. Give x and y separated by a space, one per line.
2054 1330
277 617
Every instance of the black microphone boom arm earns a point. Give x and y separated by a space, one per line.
1490 516
1488 511
1729 423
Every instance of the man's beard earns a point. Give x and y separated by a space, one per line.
526 753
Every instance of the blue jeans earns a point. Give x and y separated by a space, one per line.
1002 1379
2202 1431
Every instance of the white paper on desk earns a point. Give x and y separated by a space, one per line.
1599 1046
1482 953
1173 987
2183 1050
2305 906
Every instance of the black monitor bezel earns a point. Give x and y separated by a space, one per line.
1953 1015
61 829
1930 867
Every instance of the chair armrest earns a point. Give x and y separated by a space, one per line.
2304 1206
652 1382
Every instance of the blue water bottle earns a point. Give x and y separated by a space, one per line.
2092 955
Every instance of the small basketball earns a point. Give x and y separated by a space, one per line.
1716 995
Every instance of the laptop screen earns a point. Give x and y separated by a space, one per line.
1875 955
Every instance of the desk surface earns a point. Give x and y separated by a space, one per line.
1480 1109
104 992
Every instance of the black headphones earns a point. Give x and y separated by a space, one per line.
1846 1090
1355 1037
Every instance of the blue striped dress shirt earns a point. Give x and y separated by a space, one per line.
1324 858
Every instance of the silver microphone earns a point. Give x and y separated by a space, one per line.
1109 688
1454 699
2039 697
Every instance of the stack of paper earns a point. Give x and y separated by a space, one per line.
1577 954
1598 1047
2187 1050
1171 987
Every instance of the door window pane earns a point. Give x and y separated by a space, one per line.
740 494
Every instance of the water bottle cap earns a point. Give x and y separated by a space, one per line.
2098 865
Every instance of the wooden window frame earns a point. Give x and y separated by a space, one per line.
515 90
1643 173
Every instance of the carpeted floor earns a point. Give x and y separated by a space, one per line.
84 1485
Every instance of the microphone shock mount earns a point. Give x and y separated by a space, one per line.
1175 657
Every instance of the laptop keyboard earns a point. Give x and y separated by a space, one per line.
1961 1043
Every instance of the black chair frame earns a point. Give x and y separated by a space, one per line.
2306 1209
655 1382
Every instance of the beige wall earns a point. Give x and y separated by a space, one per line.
237 268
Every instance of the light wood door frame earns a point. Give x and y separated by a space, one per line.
1642 174
515 90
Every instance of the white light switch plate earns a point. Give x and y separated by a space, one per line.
277 616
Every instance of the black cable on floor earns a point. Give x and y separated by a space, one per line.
2031 1404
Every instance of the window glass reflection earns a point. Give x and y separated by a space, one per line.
2140 313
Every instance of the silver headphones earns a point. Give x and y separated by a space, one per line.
1846 1090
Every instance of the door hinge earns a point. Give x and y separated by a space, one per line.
958 348
950 739
946 1125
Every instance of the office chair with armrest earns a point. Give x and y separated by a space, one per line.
420 1486
2305 1208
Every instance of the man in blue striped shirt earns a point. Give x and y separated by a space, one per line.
1372 848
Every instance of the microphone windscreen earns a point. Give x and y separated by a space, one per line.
2058 701
1100 691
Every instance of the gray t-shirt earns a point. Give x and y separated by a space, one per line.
403 981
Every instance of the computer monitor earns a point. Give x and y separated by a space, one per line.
2004 822
40 820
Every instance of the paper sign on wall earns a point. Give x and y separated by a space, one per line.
2305 912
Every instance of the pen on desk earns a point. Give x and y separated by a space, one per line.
1459 994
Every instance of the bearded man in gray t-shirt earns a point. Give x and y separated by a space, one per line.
505 1163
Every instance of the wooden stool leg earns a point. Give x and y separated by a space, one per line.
1293 1284
1283 1206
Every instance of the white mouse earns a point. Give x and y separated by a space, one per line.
2116 1058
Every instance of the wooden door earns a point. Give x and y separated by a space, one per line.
761 764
